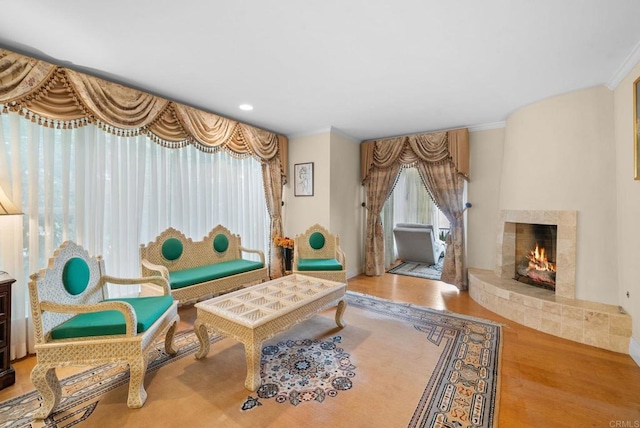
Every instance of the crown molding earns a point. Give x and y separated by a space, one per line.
487 126
343 134
625 68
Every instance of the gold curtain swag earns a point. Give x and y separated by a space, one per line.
59 97
442 159
435 147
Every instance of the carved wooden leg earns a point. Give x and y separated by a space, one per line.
46 382
253 352
342 305
137 370
168 339
203 337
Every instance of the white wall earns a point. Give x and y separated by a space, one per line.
347 195
483 191
337 196
559 154
628 206
300 212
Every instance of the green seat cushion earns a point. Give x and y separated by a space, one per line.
147 309
319 264
196 275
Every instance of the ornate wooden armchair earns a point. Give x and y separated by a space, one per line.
76 324
317 253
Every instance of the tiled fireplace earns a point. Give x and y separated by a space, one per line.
556 312
566 223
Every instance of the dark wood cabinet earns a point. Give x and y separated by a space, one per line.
7 374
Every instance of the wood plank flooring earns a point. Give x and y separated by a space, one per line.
546 381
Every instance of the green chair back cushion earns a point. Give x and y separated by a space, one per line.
172 249
75 276
316 240
106 323
220 243
318 264
196 275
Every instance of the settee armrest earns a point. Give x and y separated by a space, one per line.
340 257
125 308
162 270
160 281
258 252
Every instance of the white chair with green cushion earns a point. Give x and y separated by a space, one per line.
317 253
76 324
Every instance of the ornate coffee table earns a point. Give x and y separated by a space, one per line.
257 313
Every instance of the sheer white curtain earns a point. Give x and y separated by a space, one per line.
409 203
111 194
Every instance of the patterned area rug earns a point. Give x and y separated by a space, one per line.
425 368
420 270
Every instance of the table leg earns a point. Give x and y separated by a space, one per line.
342 305
253 353
203 337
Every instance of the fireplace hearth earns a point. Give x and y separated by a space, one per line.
556 312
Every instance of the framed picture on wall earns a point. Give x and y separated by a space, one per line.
636 112
303 179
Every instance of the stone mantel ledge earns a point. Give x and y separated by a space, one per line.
596 324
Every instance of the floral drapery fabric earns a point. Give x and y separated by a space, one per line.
55 96
442 159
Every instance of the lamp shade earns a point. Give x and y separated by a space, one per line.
6 206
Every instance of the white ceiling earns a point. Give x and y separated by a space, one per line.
370 68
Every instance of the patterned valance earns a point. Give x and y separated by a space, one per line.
59 97
436 147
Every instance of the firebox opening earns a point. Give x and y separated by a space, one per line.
536 254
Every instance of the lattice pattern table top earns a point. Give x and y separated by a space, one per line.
256 305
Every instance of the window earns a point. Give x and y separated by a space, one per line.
111 193
410 202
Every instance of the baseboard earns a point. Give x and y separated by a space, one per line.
634 351
352 273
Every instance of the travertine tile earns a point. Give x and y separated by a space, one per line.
552 308
620 325
533 318
571 332
571 313
619 343
596 328
591 323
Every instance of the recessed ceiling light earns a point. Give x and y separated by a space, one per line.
246 107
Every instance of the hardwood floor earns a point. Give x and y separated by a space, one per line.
546 381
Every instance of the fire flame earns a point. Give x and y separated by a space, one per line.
538 260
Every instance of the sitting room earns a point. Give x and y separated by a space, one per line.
330 214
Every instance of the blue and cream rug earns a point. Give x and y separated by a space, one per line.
393 365
420 270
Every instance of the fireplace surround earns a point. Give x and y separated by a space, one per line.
554 312
566 223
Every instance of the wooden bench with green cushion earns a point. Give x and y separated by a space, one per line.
75 323
200 269
317 253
